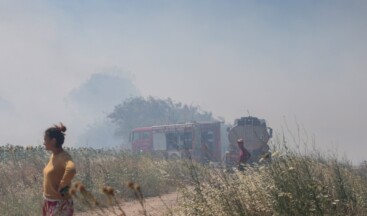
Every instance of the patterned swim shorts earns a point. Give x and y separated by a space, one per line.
58 207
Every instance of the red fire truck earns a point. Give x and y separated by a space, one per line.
200 141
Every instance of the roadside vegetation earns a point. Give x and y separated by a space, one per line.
290 183
21 176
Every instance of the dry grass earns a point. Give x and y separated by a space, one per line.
291 184
21 179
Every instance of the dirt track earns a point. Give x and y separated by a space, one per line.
155 206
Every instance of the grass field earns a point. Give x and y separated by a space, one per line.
290 184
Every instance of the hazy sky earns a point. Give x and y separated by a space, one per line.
305 60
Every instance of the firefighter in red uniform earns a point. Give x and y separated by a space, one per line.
244 155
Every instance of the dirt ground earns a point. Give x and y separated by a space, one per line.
155 206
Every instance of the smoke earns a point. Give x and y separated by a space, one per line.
303 60
83 110
89 105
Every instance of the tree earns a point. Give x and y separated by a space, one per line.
140 112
